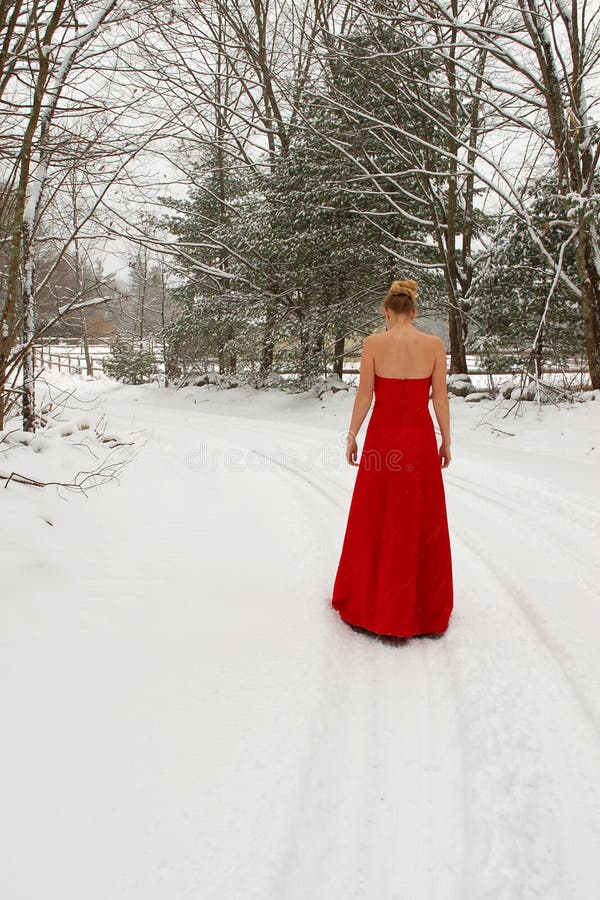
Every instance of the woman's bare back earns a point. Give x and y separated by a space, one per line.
406 353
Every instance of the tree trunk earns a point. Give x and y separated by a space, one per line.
89 365
27 276
268 340
3 391
590 299
338 362
458 356
538 352
458 359
311 347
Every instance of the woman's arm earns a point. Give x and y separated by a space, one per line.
363 399
441 404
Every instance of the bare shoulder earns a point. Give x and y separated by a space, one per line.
426 338
439 361
371 340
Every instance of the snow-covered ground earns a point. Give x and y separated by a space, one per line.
185 716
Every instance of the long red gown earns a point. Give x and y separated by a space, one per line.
395 571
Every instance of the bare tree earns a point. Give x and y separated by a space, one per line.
235 73
502 98
545 56
59 110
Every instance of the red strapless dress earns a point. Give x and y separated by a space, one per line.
395 571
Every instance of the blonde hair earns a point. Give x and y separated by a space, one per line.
402 296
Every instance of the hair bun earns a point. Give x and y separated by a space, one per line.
406 286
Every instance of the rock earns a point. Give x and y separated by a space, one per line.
16 436
272 380
228 382
523 392
193 380
476 396
332 383
516 390
461 388
459 376
507 388
205 378
518 393
530 392
590 395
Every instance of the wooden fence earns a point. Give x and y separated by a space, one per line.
67 360
73 360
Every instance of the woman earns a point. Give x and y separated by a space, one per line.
395 571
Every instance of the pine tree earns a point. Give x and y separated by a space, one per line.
524 316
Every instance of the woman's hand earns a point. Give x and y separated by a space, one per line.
351 450
445 456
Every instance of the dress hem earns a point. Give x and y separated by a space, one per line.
392 634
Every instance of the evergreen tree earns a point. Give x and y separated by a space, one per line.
516 323
304 244
213 314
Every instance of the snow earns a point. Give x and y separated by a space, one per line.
184 715
82 304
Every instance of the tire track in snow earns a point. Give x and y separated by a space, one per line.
310 493
346 692
507 764
351 748
342 726
535 873
523 849
489 467
374 838
573 674
543 819
520 513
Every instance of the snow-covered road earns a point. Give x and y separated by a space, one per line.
185 716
